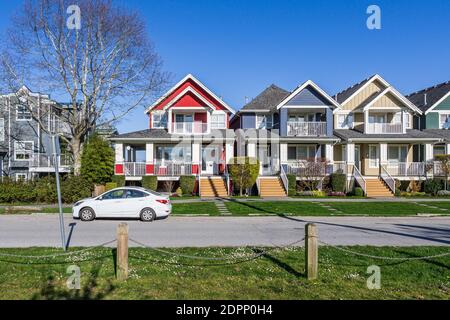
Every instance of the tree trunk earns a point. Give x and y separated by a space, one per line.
76 146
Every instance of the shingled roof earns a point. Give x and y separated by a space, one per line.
347 93
267 100
433 95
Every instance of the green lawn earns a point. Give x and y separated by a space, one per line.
345 208
276 275
13 210
208 208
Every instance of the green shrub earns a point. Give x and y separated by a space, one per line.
187 184
359 192
244 171
397 192
75 188
46 190
97 160
432 186
110 186
150 182
119 180
318 193
17 191
292 184
338 181
179 192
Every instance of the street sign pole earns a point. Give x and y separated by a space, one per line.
55 145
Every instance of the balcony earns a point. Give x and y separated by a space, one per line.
190 127
134 169
46 163
373 128
298 128
172 168
406 169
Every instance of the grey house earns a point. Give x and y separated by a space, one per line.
22 151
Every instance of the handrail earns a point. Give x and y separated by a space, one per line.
227 177
284 179
359 178
387 178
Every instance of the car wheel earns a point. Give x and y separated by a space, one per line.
87 214
147 215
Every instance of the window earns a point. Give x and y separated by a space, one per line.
373 156
407 120
21 177
218 121
438 150
444 122
264 121
345 121
300 152
377 119
116 194
23 113
159 120
134 194
174 153
2 129
397 154
397 118
308 117
23 150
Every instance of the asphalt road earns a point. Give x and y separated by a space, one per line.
30 230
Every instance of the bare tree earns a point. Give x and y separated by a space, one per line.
105 67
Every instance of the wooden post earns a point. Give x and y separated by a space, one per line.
311 251
122 251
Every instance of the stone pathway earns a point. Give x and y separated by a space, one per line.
329 208
223 210
429 206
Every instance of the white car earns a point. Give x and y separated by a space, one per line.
125 202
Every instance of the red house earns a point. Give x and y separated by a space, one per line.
188 135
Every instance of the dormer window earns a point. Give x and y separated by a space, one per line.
23 113
159 120
264 121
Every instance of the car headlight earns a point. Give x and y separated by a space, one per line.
77 203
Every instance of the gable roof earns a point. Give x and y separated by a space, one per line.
434 96
302 87
182 81
267 100
345 95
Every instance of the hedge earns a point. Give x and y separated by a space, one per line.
432 186
292 185
110 186
119 180
150 182
338 181
187 184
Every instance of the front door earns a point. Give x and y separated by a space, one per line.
358 157
209 157
265 159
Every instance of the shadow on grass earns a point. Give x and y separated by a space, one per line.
246 204
281 264
53 289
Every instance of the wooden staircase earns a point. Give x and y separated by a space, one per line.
377 188
271 187
212 187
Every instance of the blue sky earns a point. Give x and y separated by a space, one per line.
237 48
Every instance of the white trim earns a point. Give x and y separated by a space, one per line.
24 142
28 110
187 77
438 103
372 79
160 113
398 95
2 132
303 86
251 111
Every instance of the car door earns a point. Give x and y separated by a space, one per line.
134 201
110 204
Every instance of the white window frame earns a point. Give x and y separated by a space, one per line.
374 162
347 122
308 147
218 123
22 113
21 174
2 129
264 121
438 147
407 120
395 162
447 119
161 115
17 148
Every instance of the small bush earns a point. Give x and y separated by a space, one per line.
150 182
119 180
305 193
110 186
338 181
318 194
432 186
292 181
46 190
179 192
397 192
75 188
359 192
187 184
443 193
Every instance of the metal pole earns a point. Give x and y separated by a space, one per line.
58 192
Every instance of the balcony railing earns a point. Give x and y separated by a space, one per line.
406 169
172 168
190 127
48 161
308 168
134 169
297 128
384 128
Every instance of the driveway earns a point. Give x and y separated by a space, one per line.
28 231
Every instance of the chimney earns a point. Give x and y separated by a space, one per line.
425 99
246 99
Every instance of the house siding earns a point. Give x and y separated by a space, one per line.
308 97
248 120
432 120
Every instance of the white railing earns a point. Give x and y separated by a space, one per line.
134 169
387 178
307 168
47 161
339 167
359 179
172 168
284 179
406 169
227 179
190 127
384 128
297 128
